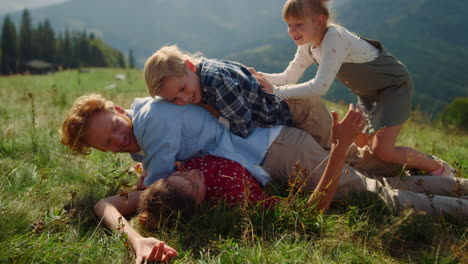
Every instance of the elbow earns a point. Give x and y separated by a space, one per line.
99 208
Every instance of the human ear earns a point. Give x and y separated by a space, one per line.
119 109
189 65
322 20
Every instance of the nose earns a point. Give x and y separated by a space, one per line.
184 99
291 29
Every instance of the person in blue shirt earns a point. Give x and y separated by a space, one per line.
232 93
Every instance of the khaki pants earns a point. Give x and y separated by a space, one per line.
312 116
294 145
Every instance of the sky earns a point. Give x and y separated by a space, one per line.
7 6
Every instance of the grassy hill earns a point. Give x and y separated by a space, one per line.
47 196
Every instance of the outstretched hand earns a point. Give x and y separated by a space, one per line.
349 128
151 249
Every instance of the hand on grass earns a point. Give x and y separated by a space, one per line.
346 131
151 249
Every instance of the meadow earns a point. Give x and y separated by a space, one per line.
47 195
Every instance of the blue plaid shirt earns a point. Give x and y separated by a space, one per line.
232 89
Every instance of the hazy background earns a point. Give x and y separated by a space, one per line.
429 36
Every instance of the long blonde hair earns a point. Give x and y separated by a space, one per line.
305 9
168 61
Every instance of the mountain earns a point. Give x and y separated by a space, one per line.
429 36
211 26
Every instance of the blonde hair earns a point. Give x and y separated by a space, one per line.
168 61
305 9
74 126
162 205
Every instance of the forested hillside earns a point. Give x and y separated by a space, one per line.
39 49
211 26
429 36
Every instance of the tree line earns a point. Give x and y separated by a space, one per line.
65 50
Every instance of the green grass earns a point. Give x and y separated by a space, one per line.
47 196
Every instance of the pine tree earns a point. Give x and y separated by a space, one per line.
48 42
9 47
67 50
131 59
83 48
26 48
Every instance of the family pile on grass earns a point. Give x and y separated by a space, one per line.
215 130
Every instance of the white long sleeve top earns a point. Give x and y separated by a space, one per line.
338 46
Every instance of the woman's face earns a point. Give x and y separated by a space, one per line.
190 183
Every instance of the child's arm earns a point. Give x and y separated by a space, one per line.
111 211
291 75
334 50
343 135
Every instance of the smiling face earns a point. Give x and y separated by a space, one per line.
182 90
306 30
190 183
111 130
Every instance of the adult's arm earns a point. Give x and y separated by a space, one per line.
343 135
112 210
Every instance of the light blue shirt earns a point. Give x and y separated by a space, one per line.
167 133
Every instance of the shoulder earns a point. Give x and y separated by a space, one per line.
336 31
153 113
222 68
212 70
337 35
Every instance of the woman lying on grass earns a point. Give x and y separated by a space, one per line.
212 178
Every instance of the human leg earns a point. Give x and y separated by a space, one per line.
312 116
433 185
383 146
431 204
294 145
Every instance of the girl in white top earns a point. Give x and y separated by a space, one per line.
382 83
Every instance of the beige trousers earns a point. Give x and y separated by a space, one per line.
312 116
437 194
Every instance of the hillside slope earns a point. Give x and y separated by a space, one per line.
427 35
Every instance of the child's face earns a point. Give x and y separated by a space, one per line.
182 90
190 183
304 31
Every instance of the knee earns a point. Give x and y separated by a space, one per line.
385 154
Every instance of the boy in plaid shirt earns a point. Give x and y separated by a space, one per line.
230 91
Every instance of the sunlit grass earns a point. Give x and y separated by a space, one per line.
47 196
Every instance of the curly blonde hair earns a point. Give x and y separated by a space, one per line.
168 61
305 9
162 205
74 126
